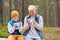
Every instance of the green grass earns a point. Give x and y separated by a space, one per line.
50 33
3 31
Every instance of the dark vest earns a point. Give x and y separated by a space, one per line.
38 31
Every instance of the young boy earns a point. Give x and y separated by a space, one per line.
15 27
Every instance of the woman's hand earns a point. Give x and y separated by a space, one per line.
34 22
29 22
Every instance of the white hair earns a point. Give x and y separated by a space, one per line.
31 7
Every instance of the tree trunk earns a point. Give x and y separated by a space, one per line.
16 4
1 12
45 21
50 12
23 14
10 8
58 16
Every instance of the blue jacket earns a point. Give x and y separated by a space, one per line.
16 31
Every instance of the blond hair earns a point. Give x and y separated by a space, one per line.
14 13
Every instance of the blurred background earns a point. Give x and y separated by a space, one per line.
49 9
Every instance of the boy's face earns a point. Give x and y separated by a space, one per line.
15 18
32 12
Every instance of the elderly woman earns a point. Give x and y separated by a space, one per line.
33 25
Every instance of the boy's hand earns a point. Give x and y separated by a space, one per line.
15 25
20 24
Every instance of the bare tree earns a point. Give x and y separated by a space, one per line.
58 16
23 14
1 13
45 22
16 4
10 8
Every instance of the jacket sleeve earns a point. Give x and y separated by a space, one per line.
26 26
20 28
40 25
10 28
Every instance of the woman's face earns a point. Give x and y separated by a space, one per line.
15 18
32 12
